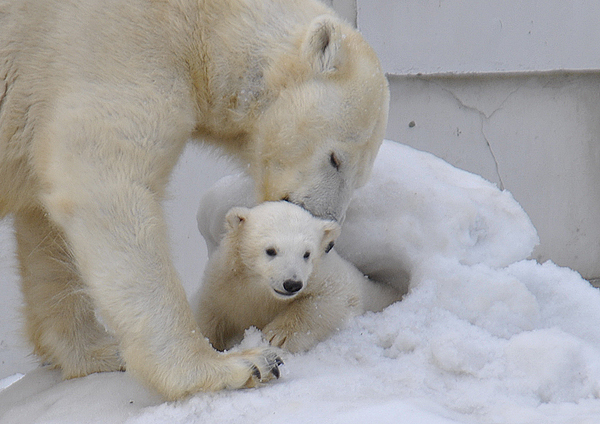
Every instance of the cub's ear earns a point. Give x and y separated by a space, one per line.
331 231
235 218
322 45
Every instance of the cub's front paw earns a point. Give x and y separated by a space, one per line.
288 339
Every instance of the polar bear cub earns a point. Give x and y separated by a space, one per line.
275 269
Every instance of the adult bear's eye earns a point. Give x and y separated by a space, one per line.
271 251
334 161
306 255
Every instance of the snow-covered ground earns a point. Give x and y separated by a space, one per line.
483 335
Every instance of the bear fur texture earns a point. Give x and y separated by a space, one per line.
97 100
275 269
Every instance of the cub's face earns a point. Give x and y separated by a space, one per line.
279 244
318 139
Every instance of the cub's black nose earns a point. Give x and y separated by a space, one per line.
292 286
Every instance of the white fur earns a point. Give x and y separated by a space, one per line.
97 99
263 247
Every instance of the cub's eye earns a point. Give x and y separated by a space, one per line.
306 255
271 251
334 161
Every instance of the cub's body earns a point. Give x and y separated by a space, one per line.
275 270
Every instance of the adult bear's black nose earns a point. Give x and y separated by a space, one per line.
292 286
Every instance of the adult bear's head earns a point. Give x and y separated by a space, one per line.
317 139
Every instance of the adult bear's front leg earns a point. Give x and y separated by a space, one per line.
108 206
119 241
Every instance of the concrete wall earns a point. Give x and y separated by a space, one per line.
474 36
508 90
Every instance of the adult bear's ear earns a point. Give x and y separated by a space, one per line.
236 217
322 46
331 231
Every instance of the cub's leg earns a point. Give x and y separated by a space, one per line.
312 318
59 315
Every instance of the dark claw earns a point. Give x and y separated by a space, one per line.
329 247
256 372
275 371
278 361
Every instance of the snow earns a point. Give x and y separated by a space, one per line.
484 335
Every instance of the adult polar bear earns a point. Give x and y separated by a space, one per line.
97 99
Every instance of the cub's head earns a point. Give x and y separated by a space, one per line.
317 139
278 244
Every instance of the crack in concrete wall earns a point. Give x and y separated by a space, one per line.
484 118
489 145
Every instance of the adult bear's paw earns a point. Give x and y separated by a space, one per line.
252 367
